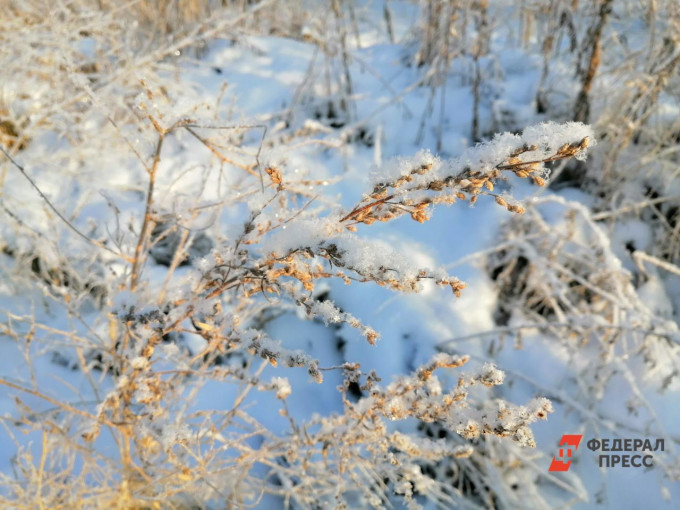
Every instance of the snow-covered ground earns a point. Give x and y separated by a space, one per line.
555 298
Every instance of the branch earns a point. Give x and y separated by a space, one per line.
57 212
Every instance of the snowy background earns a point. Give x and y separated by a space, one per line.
282 117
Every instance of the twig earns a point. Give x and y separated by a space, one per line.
56 403
56 211
640 256
356 211
548 325
633 207
247 168
141 241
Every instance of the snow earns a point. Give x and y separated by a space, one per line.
295 347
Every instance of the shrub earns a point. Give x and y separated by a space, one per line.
159 244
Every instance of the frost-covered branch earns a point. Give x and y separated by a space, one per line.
310 249
411 185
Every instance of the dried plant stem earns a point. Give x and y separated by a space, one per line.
145 231
357 210
217 153
54 402
594 42
56 211
640 256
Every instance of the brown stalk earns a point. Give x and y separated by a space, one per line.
594 41
359 210
217 153
144 233
56 403
556 157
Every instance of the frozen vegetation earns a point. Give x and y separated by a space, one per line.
339 254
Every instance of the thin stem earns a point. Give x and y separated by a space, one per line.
56 211
143 234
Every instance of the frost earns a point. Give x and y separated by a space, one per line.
543 139
426 448
139 363
401 166
173 434
170 350
327 311
282 387
257 149
302 233
491 376
550 135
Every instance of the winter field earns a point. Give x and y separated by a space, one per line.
339 254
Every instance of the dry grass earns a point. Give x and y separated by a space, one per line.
140 443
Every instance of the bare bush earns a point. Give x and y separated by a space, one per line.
151 237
